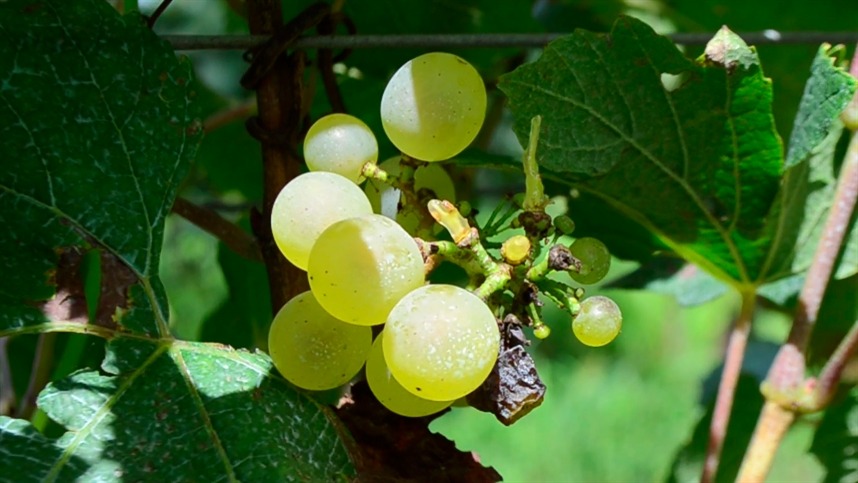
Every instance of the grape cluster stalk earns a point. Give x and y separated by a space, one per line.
369 252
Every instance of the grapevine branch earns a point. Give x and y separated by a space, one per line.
279 100
230 114
150 21
488 40
829 377
786 389
234 237
727 387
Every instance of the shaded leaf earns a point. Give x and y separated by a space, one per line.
802 206
97 129
836 439
176 412
697 166
826 94
98 122
687 283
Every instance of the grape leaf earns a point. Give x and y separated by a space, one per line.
98 124
97 129
836 439
688 284
698 165
799 213
176 411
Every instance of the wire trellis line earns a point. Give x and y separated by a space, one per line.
244 42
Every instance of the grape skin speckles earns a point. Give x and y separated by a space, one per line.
441 342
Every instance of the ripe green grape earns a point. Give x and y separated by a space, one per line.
385 199
314 350
433 106
390 393
359 268
342 144
309 204
595 260
598 321
441 342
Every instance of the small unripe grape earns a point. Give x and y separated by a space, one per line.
541 331
598 322
595 260
564 224
515 249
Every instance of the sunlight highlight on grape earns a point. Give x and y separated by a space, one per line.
433 106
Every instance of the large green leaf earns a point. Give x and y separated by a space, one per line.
807 190
698 165
176 412
97 128
696 161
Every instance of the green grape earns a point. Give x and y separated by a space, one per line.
441 342
342 144
515 249
564 224
314 350
598 321
390 393
386 199
359 268
309 204
541 331
433 106
595 260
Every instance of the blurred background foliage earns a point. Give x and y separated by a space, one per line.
620 413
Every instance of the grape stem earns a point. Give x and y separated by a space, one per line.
496 220
281 107
557 293
372 171
451 252
534 195
735 353
229 233
533 312
404 182
538 271
471 255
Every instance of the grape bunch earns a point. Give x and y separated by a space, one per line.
367 252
